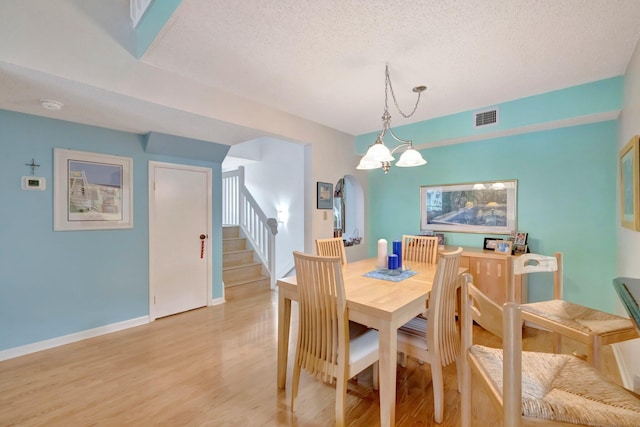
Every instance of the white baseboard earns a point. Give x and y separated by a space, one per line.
68 339
216 301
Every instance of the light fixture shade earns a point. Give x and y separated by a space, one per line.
379 152
367 163
411 158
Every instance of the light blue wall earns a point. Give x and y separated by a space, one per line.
57 283
566 181
566 199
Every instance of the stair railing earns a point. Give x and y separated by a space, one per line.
240 208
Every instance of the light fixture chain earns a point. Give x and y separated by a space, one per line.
393 95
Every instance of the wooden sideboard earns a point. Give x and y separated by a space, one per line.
489 271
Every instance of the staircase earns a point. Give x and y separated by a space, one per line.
241 274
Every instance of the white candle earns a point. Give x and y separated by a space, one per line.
382 254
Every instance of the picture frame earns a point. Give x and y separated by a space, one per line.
91 191
629 184
490 243
324 195
503 247
482 207
520 249
520 238
440 237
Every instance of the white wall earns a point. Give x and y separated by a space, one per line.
277 183
629 241
328 160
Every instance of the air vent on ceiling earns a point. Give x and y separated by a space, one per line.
485 118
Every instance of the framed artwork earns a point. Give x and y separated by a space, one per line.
481 207
490 243
324 195
503 247
91 191
629 182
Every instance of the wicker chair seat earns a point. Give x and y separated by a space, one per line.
578 317
560 387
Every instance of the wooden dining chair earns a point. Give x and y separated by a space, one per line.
420 249
332 247
591 327
329 346
530 388
435 339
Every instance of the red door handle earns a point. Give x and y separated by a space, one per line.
202 237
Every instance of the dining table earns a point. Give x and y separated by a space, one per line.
382 304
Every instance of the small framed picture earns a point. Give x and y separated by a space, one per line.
521 238
440 237
490 243
503 247
324 195
520 249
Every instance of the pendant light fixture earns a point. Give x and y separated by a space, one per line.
378 155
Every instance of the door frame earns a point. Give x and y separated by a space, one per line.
152 227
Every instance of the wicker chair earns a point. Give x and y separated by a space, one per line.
534 389
591 327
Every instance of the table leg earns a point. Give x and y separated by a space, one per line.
284 321
388 344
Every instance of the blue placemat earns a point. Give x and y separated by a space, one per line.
390 275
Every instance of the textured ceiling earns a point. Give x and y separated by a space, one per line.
321 60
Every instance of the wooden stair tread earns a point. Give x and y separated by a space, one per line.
240 251
245 281
238 266
243 276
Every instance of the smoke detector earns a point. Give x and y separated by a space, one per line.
50 104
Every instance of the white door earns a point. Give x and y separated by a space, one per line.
179 226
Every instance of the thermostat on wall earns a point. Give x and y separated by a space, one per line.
33 183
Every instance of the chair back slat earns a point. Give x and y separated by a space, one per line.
442 330
323 327
332 247
420 249
535 263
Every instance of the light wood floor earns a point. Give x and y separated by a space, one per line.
213 366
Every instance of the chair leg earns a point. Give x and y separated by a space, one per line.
341 396
376 375
295 381
459 373
465 398
402 359
438 391
596 345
